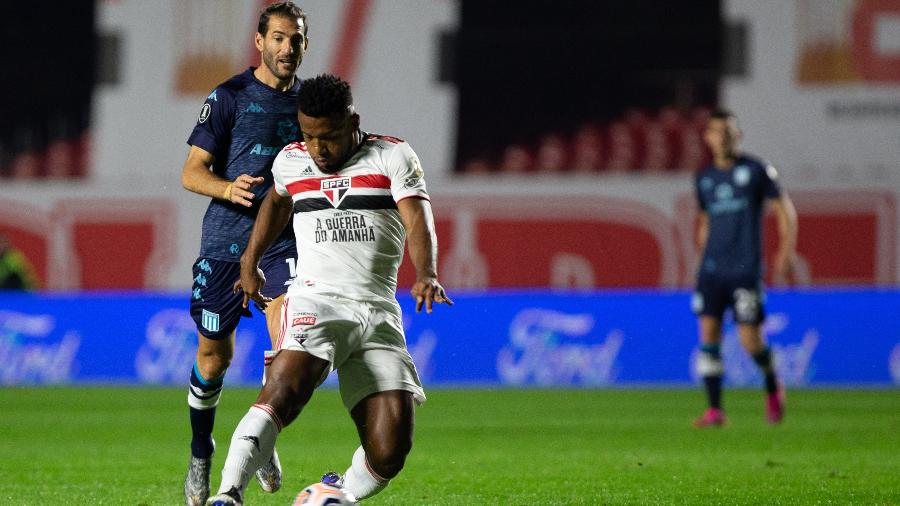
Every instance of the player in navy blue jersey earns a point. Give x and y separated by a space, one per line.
732 194
242 126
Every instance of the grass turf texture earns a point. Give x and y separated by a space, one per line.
129 446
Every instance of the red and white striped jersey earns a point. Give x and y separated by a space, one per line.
349 233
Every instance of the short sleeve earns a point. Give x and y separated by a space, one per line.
770 186
213 129
278 176
406 174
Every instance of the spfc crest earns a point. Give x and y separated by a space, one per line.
335 189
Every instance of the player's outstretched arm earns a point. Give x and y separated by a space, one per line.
422 243
274 214
197 177
786 221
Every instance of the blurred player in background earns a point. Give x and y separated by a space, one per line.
355 198
732 193
243 125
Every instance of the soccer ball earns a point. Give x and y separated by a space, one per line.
320 494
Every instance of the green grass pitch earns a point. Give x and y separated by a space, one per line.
129 446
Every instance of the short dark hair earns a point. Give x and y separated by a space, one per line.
720 113
285 9
324 95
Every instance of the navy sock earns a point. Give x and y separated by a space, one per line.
203 397
202 421
713 390
712 377
764 360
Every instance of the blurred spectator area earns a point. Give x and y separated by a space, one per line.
669 139
48 50
550 85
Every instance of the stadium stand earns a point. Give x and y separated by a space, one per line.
665 140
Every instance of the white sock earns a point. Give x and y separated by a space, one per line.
251 446
360 479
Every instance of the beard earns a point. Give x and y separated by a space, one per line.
271 62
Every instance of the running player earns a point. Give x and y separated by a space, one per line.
243 125
355 199
732 193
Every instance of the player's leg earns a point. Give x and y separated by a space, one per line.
213 358
709 306
279 269
216 311
273 319
711 370
749 311
293 376
380 387
754 343
207 375
384 421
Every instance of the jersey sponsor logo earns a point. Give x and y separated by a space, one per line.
259 149
254 107
212 96
304 320
345 227
210 321
724 192
335 189
204 113
287 130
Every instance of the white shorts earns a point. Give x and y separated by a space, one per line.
364 342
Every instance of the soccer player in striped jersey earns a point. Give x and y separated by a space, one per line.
355 198
243 124
732 194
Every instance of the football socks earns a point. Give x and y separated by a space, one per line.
203 397
251 445
360 479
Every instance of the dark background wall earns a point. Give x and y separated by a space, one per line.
527 67
47 52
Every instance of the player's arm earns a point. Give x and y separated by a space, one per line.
422 244
274 215
197 176
702 231
786 221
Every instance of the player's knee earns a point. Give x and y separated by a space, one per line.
388 459
213 364
287 400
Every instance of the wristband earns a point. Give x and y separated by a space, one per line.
227 194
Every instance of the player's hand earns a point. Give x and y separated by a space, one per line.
783 265
238 192
251 282
427 291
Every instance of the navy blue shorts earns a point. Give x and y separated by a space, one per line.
745 296
216 310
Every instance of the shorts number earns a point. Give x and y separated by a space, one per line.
292 267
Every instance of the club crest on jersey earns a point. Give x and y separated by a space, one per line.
335 189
